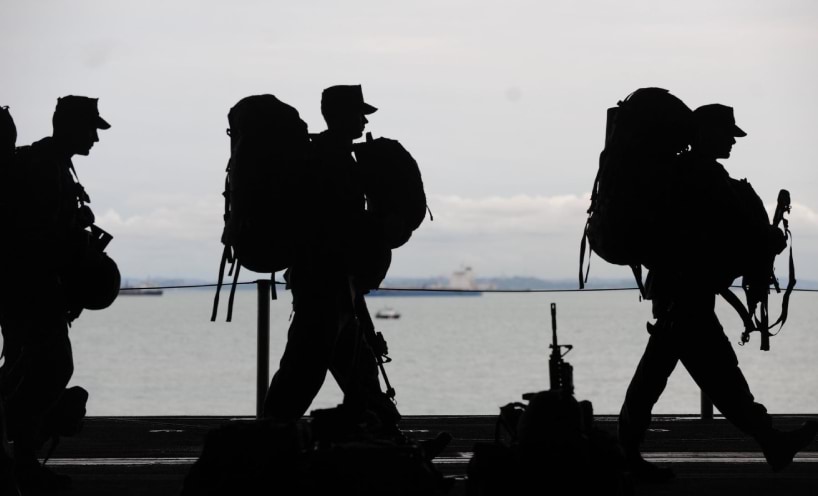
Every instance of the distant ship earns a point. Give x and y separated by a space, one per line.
461 283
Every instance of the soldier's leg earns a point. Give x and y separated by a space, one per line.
712 363
311 339
648 382
42 370
355 368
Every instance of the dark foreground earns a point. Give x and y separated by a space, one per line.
151 455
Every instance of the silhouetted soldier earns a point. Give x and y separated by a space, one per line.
8 141
710 228
324 334
48 218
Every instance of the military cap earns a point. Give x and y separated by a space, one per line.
718 115
79 109
349 98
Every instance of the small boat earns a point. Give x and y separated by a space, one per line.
387 313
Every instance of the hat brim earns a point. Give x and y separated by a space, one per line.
368 109
102 123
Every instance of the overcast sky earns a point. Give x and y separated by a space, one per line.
501 103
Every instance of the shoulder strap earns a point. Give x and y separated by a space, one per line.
734 301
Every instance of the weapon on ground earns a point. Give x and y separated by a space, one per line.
561 372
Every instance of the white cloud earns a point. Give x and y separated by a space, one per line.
516 235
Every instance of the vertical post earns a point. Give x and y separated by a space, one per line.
707 407
263 343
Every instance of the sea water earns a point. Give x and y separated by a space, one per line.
149 355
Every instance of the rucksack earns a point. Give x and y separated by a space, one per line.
393 187
645 133
269 145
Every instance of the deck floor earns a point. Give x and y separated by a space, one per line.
151 455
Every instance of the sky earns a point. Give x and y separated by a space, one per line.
502 104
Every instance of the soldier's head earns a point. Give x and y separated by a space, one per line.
345 111
8 132
76 121
716 130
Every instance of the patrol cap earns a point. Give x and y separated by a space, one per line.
345 98
718 115
79 109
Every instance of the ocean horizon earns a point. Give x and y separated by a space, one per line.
150 355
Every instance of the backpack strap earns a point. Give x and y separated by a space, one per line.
637 274
583 245
734 301
785 301
237 267
227 256
227 253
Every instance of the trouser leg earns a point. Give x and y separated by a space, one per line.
311 339
355 367
712 363
648 382
37 378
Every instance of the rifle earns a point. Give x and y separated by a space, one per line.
561 372
758 296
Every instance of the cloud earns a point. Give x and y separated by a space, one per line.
519 214
515 235
803 216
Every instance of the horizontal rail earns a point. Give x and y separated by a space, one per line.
433 290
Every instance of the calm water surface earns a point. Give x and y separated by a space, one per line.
150 355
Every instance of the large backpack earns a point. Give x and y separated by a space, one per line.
269 145
645 133
393 186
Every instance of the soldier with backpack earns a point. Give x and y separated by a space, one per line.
8 142
709 236
58 269
326 279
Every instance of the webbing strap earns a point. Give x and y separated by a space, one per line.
785 301
735 302
237 266
637 274
583 244
225 257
